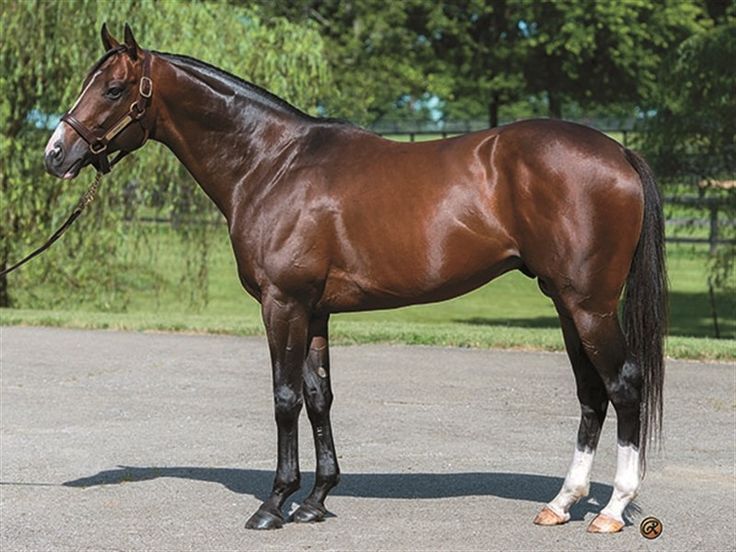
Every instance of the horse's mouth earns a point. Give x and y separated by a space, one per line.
74 169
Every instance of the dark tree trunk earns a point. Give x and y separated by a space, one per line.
493 107
5 248
555 104
4 295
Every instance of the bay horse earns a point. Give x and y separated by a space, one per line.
325 217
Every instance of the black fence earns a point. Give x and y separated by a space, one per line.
445 129
710 204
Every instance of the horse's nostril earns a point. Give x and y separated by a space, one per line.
55 155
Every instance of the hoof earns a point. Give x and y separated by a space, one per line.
605 524
263 519
309 512
547 516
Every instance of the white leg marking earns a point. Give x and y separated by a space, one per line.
576 485
626 484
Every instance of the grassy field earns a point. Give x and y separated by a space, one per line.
509 313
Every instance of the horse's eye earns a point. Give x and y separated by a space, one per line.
114 92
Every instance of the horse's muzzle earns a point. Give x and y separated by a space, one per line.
58 162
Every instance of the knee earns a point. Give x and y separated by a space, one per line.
287 403
319 399
317 389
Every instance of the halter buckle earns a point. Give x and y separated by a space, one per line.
145 88
136 111
95 151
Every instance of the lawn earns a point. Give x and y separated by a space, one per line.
510 312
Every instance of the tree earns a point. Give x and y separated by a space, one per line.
477 50
600 52
478 56
692 135
382 65
397 55
42 62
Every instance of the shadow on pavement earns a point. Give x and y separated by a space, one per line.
515 486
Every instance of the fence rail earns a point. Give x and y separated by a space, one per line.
445 129
713 205
412 134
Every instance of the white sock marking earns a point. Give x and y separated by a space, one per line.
626 484
576 485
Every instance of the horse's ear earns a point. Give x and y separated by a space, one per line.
108 42
134 50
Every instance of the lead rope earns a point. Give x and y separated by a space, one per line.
86 198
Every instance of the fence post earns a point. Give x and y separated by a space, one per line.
713 236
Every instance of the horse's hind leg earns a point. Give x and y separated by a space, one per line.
605 345
593 399
318 396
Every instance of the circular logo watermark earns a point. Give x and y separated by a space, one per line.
650 527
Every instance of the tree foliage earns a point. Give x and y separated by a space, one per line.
381 60
43 60
692 136
601 52
477 47
477 56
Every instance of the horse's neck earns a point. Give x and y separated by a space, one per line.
229 141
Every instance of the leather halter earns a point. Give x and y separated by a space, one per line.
98 143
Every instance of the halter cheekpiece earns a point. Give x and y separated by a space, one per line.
98 143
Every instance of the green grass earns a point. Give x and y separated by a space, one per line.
345 331
512 300
508 313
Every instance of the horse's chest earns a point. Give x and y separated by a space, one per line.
248 271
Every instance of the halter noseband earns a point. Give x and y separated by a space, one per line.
98 142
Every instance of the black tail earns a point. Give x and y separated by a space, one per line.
645 307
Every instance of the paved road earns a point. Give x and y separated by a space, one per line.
133 441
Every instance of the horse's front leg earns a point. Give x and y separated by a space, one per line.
318 395
287 325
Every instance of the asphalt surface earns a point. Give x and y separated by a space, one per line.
142 441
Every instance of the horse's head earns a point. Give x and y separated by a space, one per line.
110 114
